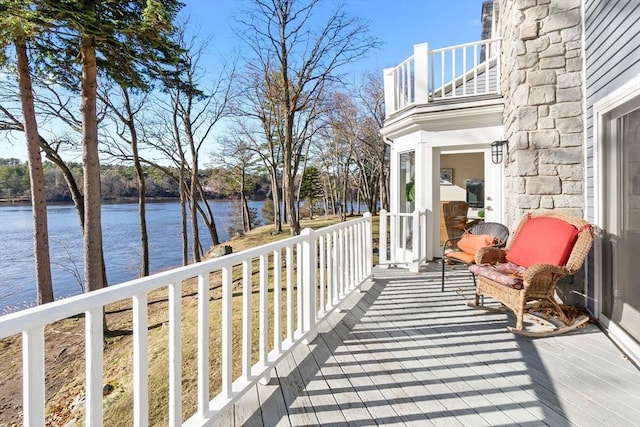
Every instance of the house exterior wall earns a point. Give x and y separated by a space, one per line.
612 50
543 116
612 58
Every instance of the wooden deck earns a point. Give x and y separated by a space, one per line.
404 353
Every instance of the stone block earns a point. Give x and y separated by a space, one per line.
528 202
556 49
571 140
525 4
541 77
526 118
539 44
544 185
544 138
518 185
569 125
571 54
568 201
574 64
571 34
554 37
570 173
569 94
548 170
536 13
526 163
566 109
520 47
521 95
546 123
546 202
528 31
542 95
572 187
528 60
561 20
543 110
566 80
561 156
564 5
519 141
574 45
552 62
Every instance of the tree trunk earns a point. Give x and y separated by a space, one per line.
183 217
275 196
93 262
44 286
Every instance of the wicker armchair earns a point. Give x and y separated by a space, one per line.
544 248
453 251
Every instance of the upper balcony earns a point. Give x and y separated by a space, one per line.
454 74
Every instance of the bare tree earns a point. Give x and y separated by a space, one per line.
126 119
297 58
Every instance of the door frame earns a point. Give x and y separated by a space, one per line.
602 109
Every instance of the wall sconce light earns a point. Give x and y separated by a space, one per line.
497 151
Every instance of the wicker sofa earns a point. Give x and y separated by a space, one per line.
545 247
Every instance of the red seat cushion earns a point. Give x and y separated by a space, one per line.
543 241
470 243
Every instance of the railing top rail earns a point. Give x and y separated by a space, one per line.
409 59
458 46
14 323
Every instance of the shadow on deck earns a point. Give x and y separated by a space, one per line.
402 352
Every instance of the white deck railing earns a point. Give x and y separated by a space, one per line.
403 239
302 278
459 71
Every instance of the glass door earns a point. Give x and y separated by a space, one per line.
621 286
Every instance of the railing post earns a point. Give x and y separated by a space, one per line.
368 236
33 396
310 262
382 245
415 242
389 90
94 353
421 70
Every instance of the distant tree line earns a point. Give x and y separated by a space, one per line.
119 182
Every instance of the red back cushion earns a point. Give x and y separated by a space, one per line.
470 243
543 241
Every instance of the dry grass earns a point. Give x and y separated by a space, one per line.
64 343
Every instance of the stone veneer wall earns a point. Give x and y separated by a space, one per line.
543 115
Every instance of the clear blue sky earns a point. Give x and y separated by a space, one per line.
399 24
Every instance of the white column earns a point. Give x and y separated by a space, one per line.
428 190
389 90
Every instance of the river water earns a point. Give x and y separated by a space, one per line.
121 243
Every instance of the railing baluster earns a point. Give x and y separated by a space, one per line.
140 361
475 69
336 267
453 73
227 329
299 286
33 396
94 353
464 71
175 355
203 345
321 278
442 74
330 263
264 309
289 293
247 314
277 300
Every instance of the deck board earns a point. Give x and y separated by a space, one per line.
405 353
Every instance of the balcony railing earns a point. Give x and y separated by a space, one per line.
300 280
460 71
403 239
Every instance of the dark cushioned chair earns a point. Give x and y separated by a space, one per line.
463 249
